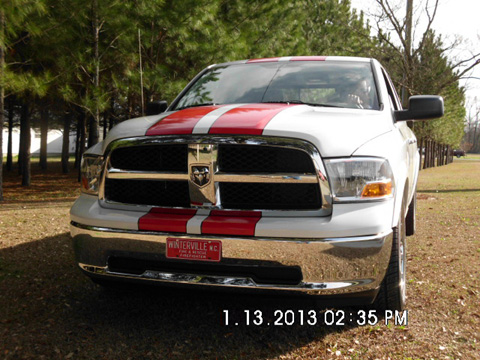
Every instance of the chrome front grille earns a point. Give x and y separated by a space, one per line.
236 173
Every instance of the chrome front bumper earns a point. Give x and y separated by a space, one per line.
329 266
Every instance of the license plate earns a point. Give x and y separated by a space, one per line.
194 249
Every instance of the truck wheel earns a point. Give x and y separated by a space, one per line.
410 224
392 294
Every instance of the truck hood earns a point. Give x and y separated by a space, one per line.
334 131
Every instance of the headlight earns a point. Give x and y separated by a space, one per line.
91 170
360 179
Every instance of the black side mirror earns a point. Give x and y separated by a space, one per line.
421 107
156 107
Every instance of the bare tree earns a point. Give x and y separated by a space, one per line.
390 18
472 128
420 61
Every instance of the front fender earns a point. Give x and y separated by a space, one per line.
393 147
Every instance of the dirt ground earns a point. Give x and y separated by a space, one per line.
49 310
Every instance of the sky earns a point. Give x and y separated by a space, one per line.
454 18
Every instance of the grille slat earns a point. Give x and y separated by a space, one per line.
233 159
249 196
148 192
243 159
151 158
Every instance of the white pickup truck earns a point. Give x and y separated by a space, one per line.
286 174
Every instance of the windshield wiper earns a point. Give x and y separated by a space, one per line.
300 102
195 105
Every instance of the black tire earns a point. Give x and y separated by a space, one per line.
410 224
392 294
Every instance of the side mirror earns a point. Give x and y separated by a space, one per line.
421 107
156 107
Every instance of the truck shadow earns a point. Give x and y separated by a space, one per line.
49 309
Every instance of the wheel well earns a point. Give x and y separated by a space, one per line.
410 221
405 202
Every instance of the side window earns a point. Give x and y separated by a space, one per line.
392 93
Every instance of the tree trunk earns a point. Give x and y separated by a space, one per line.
2 97
77 143
408 53
10 136
93 133
474 142
23 136
432 160
426 157
66 142
431 153
43 138
81 147
420 150
442 155
25 125
434 153
439 155
93 128
105 122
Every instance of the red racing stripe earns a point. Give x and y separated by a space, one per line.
166 220
252 61
308 58
231 222
247 119
181 122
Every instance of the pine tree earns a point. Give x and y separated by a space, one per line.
2 93
14 32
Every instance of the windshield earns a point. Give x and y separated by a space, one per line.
317 83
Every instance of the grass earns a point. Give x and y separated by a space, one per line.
46 185
35 158
469 156
49 310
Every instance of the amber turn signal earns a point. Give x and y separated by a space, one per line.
377 189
